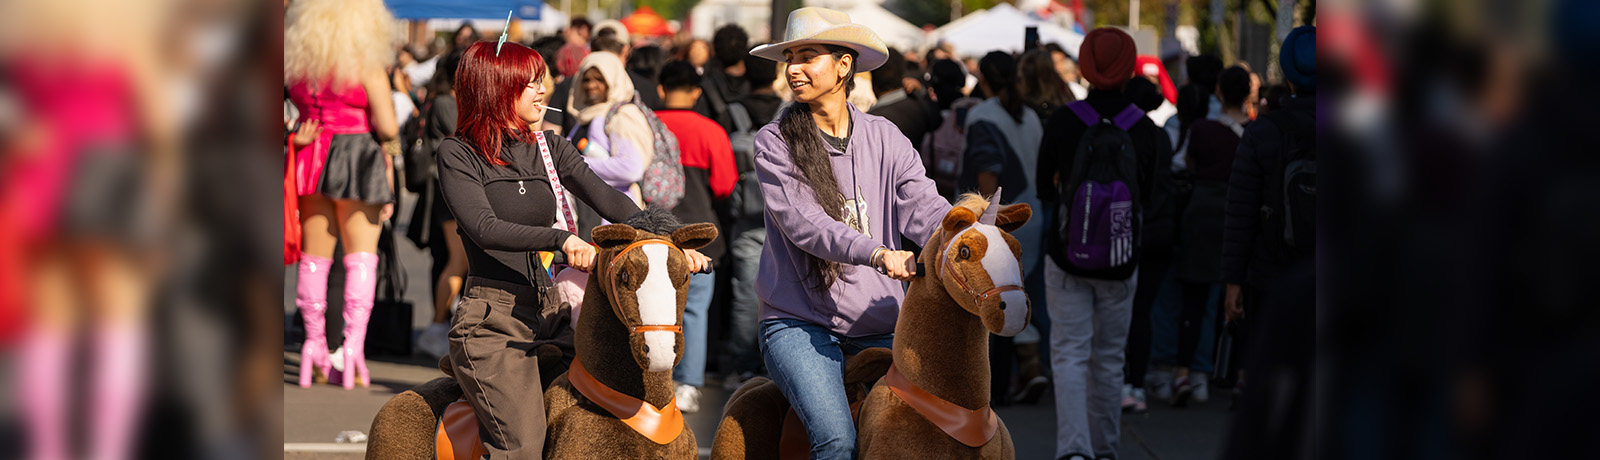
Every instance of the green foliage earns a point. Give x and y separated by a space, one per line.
936 12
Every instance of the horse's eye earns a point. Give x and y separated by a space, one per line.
622 274
965 253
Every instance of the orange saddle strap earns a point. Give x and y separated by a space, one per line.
659 425
971 427
458 434
794 443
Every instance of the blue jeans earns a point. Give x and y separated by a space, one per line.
745 317
807 362
692 369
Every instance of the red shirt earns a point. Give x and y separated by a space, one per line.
703 144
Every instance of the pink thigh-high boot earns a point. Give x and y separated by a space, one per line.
360 286
43 391
119 387
311 296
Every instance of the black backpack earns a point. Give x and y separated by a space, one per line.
746 202
1100 202
1290 228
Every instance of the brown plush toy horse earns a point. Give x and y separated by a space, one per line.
757 423
617 400
431 421
934 401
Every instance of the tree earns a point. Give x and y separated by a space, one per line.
935 12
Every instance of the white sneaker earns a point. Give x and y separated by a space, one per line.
1030 392
338 360
435 340
1201 393
1159 383
688 398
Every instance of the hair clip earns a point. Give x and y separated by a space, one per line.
503 33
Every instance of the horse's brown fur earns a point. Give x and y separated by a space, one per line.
404 427
752 421
941 345
578 428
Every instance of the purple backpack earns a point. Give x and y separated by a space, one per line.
1100 207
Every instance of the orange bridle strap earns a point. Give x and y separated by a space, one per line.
610 275
944 267
657 327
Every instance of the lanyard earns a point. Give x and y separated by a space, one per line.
564 219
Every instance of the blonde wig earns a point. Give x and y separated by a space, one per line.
338 39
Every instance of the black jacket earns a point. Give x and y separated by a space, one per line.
506 212
908 114
1245 257
720 89
429 214
1060 144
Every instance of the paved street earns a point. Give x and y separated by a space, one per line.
314 417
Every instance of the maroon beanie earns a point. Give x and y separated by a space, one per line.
1106 57
568 58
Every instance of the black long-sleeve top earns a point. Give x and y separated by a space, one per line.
1246 256
506 212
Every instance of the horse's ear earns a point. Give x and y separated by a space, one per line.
1012 217
694 236
614 235
958 218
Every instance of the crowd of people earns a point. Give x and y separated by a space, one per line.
1164 211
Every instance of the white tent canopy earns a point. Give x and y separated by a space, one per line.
1001 28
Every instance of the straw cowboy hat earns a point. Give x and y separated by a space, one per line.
824 26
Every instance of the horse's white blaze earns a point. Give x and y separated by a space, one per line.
661 350
1004 270
658 306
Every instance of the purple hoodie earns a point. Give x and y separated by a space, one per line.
896 198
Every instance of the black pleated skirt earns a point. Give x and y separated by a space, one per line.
356 170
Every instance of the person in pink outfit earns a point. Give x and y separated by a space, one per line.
335 53
86 154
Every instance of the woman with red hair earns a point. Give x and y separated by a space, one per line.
509 188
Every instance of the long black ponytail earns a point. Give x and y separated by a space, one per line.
810 155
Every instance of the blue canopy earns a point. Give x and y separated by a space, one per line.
431 9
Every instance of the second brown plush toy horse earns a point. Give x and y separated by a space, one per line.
617 400
934 401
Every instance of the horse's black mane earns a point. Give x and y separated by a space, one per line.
655 220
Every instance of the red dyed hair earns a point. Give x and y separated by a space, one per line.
487 87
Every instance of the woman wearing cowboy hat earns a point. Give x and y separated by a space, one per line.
841 188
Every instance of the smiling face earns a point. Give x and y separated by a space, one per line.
528 101
594 86
812 72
